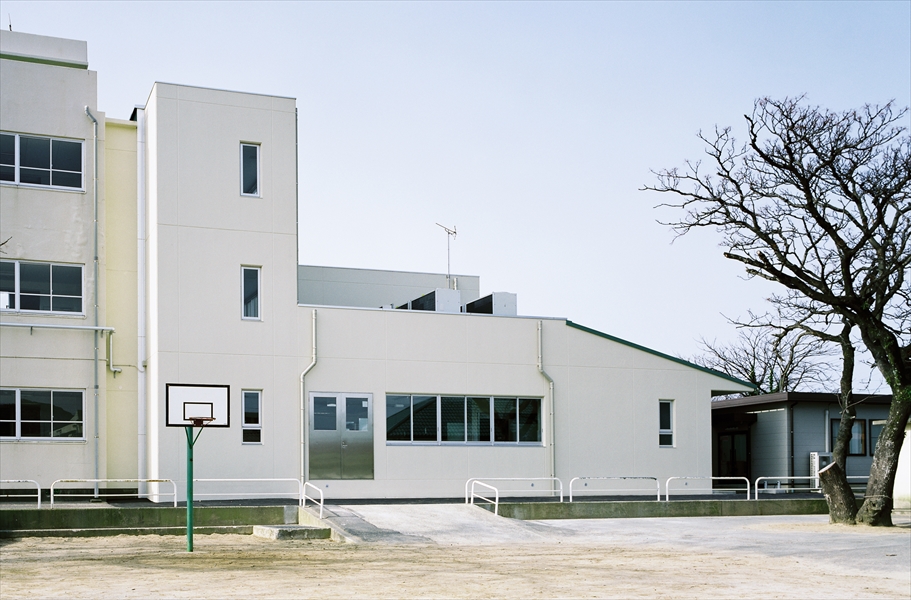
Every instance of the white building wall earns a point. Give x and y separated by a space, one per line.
46 95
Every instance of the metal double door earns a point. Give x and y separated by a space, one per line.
341 436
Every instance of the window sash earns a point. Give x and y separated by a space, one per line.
41 287
42 414
858 444
462 420
666 423
48 162
251 417
250 293
249 170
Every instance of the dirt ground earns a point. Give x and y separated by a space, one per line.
242 566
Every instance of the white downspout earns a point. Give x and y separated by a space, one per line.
304 402
550 402
142 449
95 277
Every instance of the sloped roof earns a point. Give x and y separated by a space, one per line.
685 363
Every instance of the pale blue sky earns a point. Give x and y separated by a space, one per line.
529 126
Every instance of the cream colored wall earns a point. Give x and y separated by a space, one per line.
53 226
120 238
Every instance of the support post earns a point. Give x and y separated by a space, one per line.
191 441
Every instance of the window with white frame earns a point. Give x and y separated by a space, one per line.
249 169
422 419
252 426
42 287
35 414
666 423
250 292
43 161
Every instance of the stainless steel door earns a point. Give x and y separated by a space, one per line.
341 436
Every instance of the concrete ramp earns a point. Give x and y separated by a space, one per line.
445 524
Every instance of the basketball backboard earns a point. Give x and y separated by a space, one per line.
186 403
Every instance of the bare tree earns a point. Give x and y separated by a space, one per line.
771 361
820 202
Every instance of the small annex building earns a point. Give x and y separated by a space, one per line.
777 435
159 252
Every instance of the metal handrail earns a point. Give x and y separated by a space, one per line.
495 500
667 489
137 494
557 479
814 478
306 497
655 479
37 485
300 488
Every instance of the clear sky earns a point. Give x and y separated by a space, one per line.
530 127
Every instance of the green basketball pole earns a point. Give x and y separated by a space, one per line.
191 441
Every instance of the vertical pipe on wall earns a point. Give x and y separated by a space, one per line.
304 400
95 277
550 403
142 466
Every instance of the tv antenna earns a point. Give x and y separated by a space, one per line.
450 233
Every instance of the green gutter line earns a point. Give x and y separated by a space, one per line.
44 61
659 354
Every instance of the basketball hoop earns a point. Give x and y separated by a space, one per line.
202 421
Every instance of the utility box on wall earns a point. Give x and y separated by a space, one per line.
819 461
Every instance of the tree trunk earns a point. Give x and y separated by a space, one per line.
877 507
839 497
846 387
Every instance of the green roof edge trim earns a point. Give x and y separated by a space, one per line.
44 61
686 363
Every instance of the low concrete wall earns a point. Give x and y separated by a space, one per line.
533 511
145 516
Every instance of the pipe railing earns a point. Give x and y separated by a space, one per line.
532 479
37 485
812 489
655 479
306 497
495 500
119 492
667 484
300 488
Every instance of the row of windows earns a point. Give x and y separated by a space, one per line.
34 160
43 287
858 444
41 414
58 414
59 163
48 287
461 419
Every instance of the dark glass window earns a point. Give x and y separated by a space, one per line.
504 420
452 419
252 426
251 293
41 161
424 414
7 157
858 444
324 413
665 422
478 419
875 430
529 420
250 167
398 418
41 413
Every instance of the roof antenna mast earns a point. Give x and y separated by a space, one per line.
450 233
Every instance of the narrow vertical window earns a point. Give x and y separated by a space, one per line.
666 423
250 276
252 424
249 170
398 418
504 420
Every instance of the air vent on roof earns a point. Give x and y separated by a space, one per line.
439 300
497 303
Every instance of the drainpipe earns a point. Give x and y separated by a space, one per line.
550 403
304 402
95 277
791 432
142 467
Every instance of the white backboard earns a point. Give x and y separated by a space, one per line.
186 401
